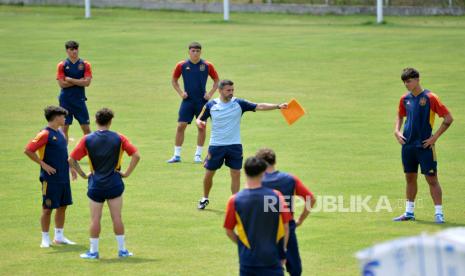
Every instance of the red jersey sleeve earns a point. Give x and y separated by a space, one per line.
437 106
126 145
285 212
230 218
80 150
39 141
61 71
301 190
87 70
178 70
211 71
402 112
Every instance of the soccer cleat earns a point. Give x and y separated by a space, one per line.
405 217
124 253
197 158
45 244
439 218
64 241
203 204
174 159
89 255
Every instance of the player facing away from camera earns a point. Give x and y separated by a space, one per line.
418 143
225 139
289 186
54 173
105 150
73 75
195 72
261 217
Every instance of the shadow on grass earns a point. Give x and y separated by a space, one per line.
67 248
130 260
218 212
443 225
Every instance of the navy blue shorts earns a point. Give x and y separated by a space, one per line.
293 262
276 270
189 109
413 155
77 109
55 194
231 155
98 195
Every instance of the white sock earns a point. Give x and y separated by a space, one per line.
438 209
93 245
199 150
204 198
59 234
45 237
120 240
409 206
177 151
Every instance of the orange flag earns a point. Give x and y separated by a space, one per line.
293 112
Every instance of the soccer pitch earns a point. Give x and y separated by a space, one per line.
344 70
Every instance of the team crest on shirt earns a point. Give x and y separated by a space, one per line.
80 67
48 202
202 67
422 101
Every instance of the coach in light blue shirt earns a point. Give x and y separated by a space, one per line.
225 140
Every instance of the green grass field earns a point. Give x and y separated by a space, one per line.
344 70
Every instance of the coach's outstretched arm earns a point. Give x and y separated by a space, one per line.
135 157
267 106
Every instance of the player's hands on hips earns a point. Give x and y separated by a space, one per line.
49 169
184 95
200 123
428 143
282 106
400 138
207 96
123 175
298 223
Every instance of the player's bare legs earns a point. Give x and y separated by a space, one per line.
65 129
434 188
207 182
412 186
45 225
235 180
115 205
201 136
95 217
60 215
85 129
179 140
45 219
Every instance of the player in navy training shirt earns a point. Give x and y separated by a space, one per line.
289 186
418 142
73 75
261 219
105 150
54 173
195 72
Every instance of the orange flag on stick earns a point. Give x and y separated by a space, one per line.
293 112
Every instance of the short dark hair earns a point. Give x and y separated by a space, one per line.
195 45
268 155
104 116
223 83
254 166
409 73
71 44
52 111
